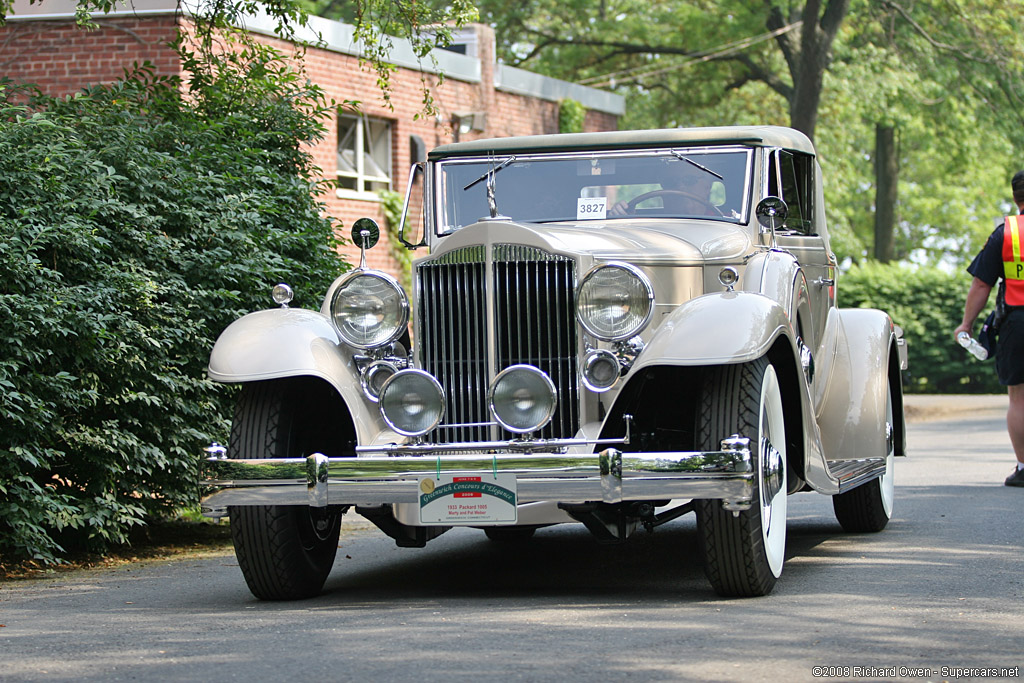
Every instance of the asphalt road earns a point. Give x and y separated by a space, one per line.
942 586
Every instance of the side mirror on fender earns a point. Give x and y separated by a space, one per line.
365 234
771 214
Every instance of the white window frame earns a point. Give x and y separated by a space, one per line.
362 175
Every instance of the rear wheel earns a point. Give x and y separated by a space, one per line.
744 551
868 508
284 552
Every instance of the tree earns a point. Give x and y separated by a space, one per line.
877 77
136 221
129 238
424 24
807 60
932 83
604 34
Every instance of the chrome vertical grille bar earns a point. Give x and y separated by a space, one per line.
462 342
453 277
453 345
475 353
537 302
570 384
546 294
444 370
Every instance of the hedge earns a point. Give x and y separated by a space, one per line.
135 224
928 303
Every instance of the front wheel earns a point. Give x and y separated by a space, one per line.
868 508
744 551
284 552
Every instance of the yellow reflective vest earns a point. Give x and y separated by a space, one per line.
1013 267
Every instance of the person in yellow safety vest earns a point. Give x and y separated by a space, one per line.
1001 258
1013 268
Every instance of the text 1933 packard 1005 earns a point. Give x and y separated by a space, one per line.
611 329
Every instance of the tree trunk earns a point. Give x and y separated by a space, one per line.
886 191
809 61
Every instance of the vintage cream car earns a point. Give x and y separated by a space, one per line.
612 329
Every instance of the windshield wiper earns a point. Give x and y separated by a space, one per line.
690 161
491 171
492 204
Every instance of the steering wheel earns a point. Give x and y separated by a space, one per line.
631 205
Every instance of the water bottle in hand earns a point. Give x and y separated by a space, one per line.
972 345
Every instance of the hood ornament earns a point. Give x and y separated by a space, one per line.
492 204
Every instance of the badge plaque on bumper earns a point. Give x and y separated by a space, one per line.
468 500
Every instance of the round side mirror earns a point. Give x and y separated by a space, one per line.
365 233
771 212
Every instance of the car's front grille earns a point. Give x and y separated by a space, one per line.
532 322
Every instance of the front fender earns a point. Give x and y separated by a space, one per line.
292 342
738 327
276 343
715 329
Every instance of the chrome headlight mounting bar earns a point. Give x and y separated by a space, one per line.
507 446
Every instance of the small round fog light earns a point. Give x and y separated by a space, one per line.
374 376
522 399
411 402
601 370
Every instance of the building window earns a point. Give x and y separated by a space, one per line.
364 154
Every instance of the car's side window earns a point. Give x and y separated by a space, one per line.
791 175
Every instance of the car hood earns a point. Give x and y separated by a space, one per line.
678 242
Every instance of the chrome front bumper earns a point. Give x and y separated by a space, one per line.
609 476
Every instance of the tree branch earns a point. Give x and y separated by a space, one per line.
835 12
928 37
786 41
620 47
756 72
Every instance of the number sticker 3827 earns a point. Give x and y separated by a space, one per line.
591 208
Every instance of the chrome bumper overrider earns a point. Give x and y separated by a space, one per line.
609 476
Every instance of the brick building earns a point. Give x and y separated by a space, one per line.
367 151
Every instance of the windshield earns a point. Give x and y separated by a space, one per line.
705 183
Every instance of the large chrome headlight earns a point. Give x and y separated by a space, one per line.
369 309
614 302
522 399
412 402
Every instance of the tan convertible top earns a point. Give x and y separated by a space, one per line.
761 136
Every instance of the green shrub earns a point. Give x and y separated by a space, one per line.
928 304
392 204
571 116
134 226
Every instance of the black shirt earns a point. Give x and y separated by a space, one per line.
987 266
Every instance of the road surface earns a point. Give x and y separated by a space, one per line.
936 596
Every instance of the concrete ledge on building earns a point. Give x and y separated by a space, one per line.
340 38
22 10
522 82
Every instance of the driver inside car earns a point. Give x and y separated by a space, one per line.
687 192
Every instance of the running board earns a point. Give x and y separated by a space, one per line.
854 473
